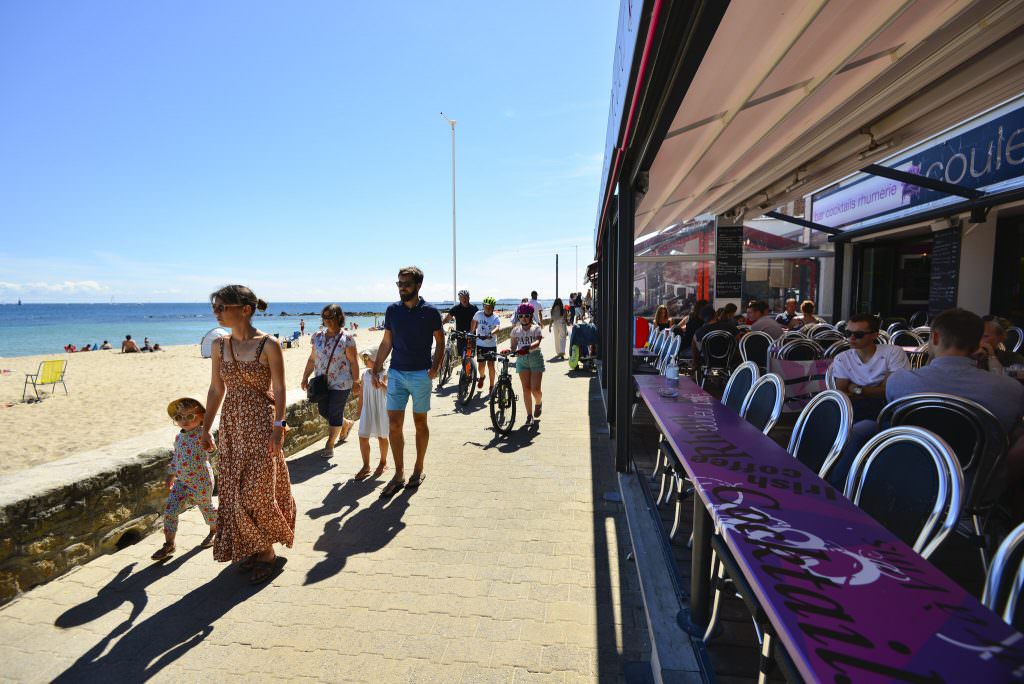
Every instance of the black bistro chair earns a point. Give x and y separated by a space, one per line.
821 431
907 478
754 347
740 382
905 338
801 350
1014 339
716 352
977 439
763 403
1005 578
835 349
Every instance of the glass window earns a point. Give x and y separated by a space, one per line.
676 284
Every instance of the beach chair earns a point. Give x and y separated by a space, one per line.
48 373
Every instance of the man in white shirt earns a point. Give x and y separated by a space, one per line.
539 317
757 312
486 323
862 370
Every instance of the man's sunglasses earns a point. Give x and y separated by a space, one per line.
404 283
858 335
219 308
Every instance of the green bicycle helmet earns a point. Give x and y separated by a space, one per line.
490 301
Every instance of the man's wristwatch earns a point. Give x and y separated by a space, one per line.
856 390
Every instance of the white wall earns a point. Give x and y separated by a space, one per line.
977 253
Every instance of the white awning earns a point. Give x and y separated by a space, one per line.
793 95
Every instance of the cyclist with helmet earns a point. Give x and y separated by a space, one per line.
526 337
463 313
485 323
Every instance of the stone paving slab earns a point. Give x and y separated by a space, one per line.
505 566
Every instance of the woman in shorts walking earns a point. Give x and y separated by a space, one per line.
526 337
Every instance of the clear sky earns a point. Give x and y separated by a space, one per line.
153 151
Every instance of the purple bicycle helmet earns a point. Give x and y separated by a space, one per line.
524 310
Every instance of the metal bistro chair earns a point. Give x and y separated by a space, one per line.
883 337
813 329
740 382
835 349
1014 339
830 377
924 332
763 403
827 337
977 439
801 350
1002 593
821 431
652 352
919 319
891 325
754 347
904 338
907 478
669 353
716 352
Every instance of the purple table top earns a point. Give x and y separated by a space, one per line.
849 601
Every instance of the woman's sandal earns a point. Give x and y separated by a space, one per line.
536 411
363 473
247 564
164 552
263 570
208 542
345 429
381 469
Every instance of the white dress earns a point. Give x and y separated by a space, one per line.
558 326
373 420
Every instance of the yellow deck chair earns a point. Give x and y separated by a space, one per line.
49 373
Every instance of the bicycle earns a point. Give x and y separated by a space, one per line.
503 397
467 370
451 352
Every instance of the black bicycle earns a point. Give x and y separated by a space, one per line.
467 368
451 353
503 397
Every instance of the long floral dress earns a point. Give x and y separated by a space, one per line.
255 506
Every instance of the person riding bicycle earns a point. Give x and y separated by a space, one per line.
485 324
526 337
463 313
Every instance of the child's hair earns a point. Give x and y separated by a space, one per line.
369 352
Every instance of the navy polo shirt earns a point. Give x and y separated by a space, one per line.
412 334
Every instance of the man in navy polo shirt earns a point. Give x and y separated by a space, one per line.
410 326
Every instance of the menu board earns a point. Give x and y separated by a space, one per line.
728 261
944 281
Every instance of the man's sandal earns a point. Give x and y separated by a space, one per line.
392 488
208 542
416 480
164 552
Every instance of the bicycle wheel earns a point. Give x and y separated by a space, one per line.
503 407
574 357
467 381
445 372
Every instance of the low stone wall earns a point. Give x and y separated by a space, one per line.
61 515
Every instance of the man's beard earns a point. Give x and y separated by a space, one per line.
409 296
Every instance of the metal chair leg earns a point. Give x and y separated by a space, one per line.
976 524
767 663
717 580
681 495
664 471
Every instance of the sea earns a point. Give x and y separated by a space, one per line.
29 329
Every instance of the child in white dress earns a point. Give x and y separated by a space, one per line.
373 417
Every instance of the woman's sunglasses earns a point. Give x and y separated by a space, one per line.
219 308
857 335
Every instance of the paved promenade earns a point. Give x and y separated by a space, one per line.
505 566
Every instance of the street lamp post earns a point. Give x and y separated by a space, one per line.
451 122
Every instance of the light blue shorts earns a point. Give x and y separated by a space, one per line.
534 361
405 384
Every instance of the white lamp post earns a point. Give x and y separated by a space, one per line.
451 122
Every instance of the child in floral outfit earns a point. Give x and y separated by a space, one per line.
190 478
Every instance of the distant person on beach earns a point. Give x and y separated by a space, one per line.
302 327
410 326
559 327
255 497
190 477
70 348
86 348
333 354
105 345
526 339
129 346
147 345
373 417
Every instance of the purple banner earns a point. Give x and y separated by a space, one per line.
849 601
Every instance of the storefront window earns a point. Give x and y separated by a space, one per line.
676 284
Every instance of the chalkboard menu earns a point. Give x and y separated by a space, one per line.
728 261
942 289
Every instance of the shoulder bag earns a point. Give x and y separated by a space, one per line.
318 386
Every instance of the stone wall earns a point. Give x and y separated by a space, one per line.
69 512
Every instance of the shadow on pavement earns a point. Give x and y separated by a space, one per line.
368 530
521 437
160 639
309 466
343 496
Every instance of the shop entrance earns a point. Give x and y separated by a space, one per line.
893 277
1008 269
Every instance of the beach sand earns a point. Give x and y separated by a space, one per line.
112 397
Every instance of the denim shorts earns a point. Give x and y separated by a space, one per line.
534 361
405 384
332 407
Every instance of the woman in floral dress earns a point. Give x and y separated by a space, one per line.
255 505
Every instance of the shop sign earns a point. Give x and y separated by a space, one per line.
978 157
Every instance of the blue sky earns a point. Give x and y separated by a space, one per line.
154 151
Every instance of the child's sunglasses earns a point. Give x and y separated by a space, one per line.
179 417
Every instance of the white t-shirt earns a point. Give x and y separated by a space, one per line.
537 316
486 325
886 359
524 338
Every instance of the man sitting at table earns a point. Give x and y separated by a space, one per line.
757 312
862 370
956 334
788 318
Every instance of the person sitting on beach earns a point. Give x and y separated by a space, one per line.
190 477
373 416
86 348
105 345
69 348
157 347
129 346
146 345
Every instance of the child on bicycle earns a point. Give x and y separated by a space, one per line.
373 416
526 337
485 324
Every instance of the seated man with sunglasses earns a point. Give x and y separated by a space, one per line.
862 370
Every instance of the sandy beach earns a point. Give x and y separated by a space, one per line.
112 397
